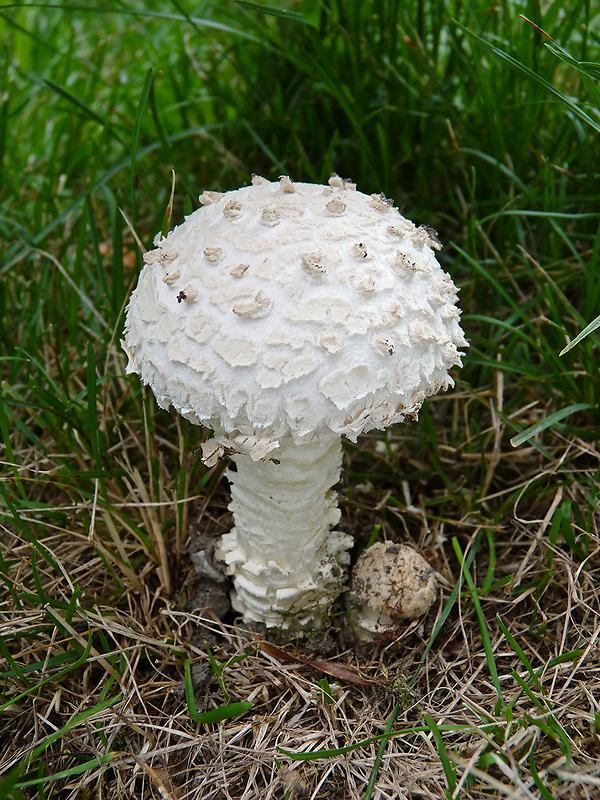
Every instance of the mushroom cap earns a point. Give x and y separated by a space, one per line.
390 582
293 310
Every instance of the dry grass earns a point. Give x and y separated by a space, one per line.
134 622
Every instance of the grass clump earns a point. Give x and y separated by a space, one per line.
477 121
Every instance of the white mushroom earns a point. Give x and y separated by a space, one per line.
390 583
312 343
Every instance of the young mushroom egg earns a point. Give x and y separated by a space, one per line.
391 583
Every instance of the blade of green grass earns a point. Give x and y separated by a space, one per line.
537 780
529 73
15 667
594 325
314 755
520 652
135 138
449 771
92 410
58 734
217 714
25 528
89 112
450 603
380 751
293 16
485 636
159 15
86 766
547 422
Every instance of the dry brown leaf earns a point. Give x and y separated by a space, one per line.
329 667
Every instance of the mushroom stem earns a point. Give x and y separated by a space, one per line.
287 563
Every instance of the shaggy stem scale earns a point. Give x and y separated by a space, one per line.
282 552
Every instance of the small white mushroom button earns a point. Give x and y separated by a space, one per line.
172 277
286 185
312 264
256 308
336 207
240 270
213 254
392 583
270 217
208 198
233 209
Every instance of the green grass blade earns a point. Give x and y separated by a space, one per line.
449 604
217 714
590 69
520 652
15 773
15 667
488 581
223 712
537 780
547 422
485 636
556 732
147 13
77 663
53 661
325 687
92 410
533 76
135 137
73 723
8 581
293 16
89 112
449 770
529 692
99 761
379 756
24 527
314 755
594 325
